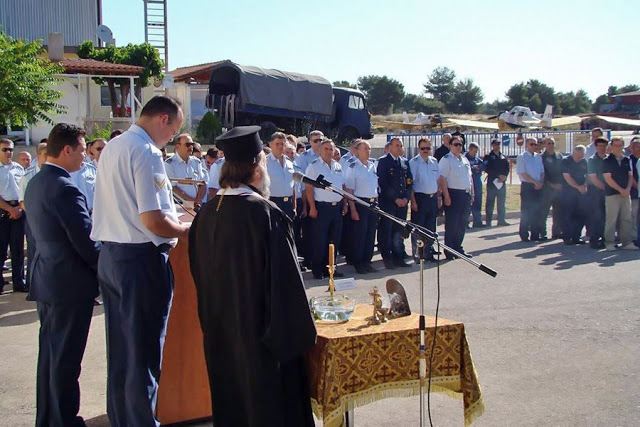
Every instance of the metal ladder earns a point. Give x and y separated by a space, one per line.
155 24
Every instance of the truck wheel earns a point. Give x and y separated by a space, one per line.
268 129
347 135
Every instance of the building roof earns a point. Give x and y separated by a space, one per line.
634 93
91 66
194 73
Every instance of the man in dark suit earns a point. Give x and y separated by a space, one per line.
63 278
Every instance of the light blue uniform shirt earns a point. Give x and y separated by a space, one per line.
24 181
332 174
425 174
362 179
85 180
214 174
10 176
457 172
131 181
531 164
347 160
281 175
176 167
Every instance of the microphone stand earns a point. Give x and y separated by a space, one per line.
424 236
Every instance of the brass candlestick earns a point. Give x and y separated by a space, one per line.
331 268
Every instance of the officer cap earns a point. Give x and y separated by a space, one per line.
495 141
241 144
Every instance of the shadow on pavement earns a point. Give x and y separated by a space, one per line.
99 421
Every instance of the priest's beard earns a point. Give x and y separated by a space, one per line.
264 183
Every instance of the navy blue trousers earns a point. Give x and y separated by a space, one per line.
31 251
64 328
286 207
325 229
390 240
136 282
363 236
552 198
530 207
476 206
596 214
12 237
456 217
575 208
426 216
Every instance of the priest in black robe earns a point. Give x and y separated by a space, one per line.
252 304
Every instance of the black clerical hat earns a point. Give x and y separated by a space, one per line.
241 144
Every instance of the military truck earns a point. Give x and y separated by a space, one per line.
290 102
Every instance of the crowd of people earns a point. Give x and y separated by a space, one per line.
99 216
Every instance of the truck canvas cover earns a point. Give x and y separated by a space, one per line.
272 88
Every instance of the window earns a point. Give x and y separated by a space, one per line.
356 102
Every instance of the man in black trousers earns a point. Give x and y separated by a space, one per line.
64 281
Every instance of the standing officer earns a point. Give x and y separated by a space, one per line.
574 196
136 220
424 198
64 276
497 168
552 191
531 173
396 185
595 172
280 169
477 167
325 209
443 150
184 165
457 190
11 216
362 182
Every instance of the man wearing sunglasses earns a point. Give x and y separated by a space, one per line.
85 178
456 185
183 165
531 173
11 218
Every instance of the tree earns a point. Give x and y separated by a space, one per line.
381 92
143 55
26 83
344 83
466 97
441 84
533 94
570 103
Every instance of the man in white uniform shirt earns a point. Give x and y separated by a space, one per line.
183 165
136 220
424 199
280 169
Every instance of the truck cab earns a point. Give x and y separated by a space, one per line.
352 119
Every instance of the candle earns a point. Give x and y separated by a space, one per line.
331 255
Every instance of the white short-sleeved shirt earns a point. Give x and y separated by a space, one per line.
332 174
10 175
362 179
303 161
347 160
85 180
425 174
281 176
131 180
530 164
214 174
24 181
457 172
176 167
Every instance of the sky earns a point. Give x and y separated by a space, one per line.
569 45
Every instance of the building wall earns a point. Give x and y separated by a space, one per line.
35 19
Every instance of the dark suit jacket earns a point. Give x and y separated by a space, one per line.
395 181
65 263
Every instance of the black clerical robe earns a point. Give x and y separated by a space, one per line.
253 311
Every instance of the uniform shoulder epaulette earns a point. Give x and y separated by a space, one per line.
315 161
170 159
219 161
90 166
352 165
448 155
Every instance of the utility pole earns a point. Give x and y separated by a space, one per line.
155 26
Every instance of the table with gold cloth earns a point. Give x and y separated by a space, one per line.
354 364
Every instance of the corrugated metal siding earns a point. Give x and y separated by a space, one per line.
35 19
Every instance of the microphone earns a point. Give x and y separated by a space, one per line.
319 183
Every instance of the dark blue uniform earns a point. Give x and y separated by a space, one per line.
553 170
496 165
395 181
595 227
575 205
477 167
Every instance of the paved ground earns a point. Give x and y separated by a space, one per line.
555 338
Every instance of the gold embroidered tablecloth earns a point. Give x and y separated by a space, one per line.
354 364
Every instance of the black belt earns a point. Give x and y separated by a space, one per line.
328 203
282 199
428 195
368 199
455 190
163 247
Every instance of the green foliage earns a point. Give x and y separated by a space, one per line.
344 83
208 128
441 84
100 132
381 92
466 97
533 94
419 104
570 103
26 83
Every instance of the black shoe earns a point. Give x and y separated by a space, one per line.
478 225
451 257
503 223
361 269
24 290
541 239
400 263
596 245
466 254
556 236
435 252
318 276
388 264
580 242
524 239
370 268
568 242
337 274
430 258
